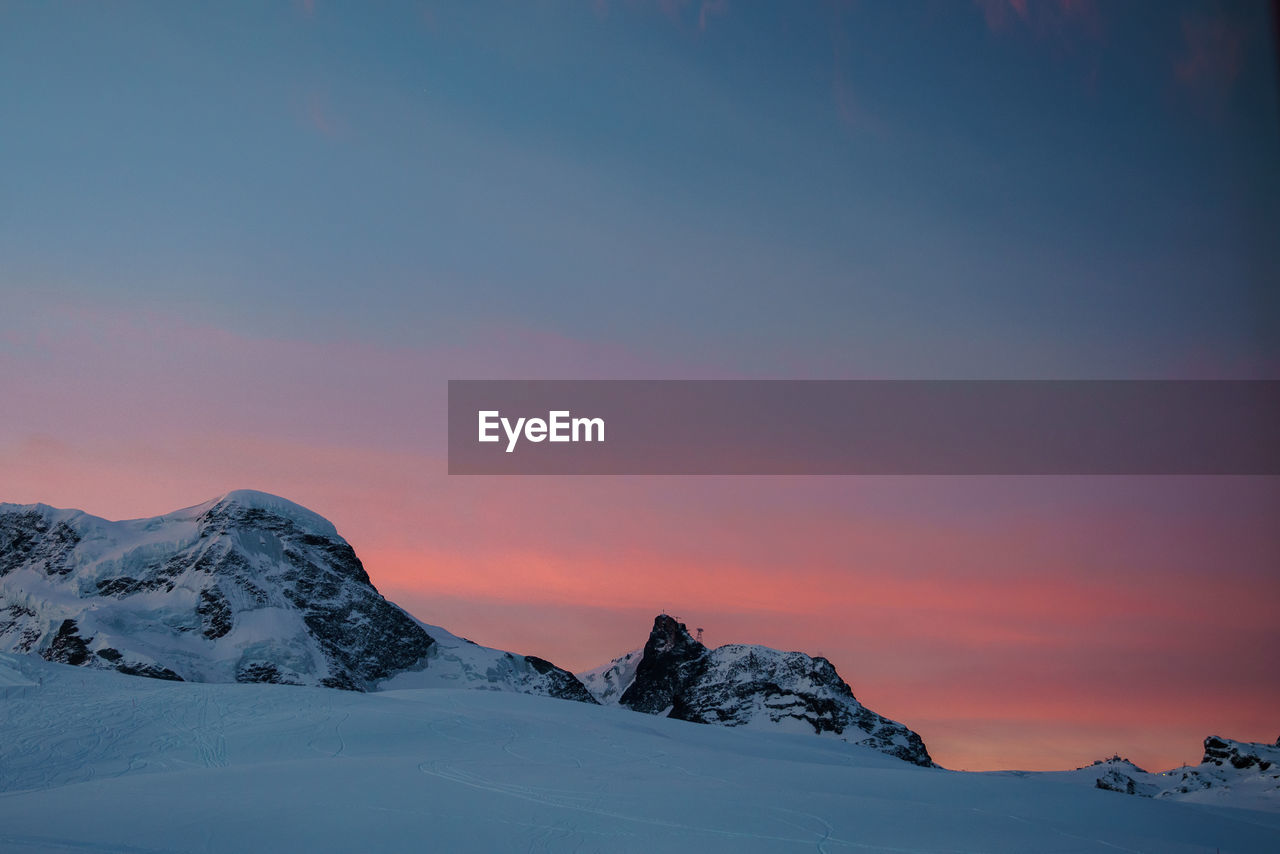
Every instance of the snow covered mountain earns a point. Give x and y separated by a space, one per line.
247 587
1232 773
741 685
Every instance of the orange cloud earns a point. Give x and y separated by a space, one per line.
1073 612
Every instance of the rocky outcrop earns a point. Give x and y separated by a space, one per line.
752 686
1245 774
1117 781
1240 755
1227 765
670 668
29 539
556 681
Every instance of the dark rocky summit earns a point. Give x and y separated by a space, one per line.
743 685
671 664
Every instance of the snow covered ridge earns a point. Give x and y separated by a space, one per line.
97 761
741 685
1232 773
247 587
608 681
1238 773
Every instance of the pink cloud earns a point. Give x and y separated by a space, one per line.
849 110
1071 30
998 12
1044 17
1074 611
1212 54
711 9
672 10
320 116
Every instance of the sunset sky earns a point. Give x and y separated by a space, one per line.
245 245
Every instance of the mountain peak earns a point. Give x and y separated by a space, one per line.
669 661
747 685
245 587
252 499
669 634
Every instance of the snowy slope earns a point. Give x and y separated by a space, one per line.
97 761
743 685
1237 773
1232 773
12 678
454 662
247 587
609 682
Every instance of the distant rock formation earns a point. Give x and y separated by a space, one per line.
745 685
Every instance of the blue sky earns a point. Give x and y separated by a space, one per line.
245 245
861 189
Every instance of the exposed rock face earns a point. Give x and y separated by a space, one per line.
755 686
248 588
67 646
29 539
669 670
556 681
1229 764
1239 755
1117 781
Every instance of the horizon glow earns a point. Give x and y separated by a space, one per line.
246 245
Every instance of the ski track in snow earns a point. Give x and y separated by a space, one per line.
581 802
97 761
